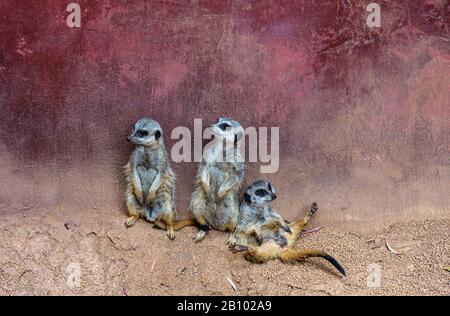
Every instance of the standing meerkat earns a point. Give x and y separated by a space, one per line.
150 180
262 234
215 201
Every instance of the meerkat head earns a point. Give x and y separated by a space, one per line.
146 132
228 129
260 193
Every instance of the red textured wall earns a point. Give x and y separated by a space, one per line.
363 113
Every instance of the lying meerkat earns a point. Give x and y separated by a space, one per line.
150 180
257 221
215 200
263 235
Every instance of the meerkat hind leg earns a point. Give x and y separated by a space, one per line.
167 227
133 212
170 232
298 226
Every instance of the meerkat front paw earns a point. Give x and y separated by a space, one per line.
231 243
239 248
206 187
286 229
221 194
151 196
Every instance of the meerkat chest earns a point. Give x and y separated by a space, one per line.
147 171
220 172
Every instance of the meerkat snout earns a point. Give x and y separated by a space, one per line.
227 128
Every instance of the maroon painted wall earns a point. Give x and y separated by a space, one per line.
363 113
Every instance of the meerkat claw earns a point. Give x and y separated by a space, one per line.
130 221
240 248
171 235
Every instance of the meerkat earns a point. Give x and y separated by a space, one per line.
257 221
263 235
150 191
215 200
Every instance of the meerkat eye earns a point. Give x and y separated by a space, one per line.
224 126
270 187
142 133
260 192
157 135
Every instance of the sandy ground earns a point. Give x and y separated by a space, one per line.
91 253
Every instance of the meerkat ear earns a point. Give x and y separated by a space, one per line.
247 198
157 135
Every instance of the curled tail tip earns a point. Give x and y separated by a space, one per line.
335 263
200 236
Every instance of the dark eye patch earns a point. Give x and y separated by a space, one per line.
261 192
247 198
270 187
224 126
142 133
157 135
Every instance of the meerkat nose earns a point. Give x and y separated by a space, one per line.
274 196
128 139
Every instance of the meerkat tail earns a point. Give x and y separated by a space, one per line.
259 256
203 228
200 235
184 223
292 256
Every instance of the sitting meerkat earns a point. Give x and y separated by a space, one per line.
215 200
263 235
150 180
